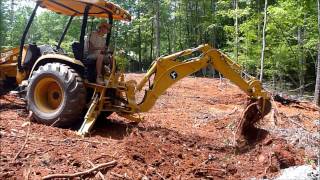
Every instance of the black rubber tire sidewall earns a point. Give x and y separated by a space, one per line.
74 95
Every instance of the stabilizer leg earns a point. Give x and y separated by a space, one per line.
91 116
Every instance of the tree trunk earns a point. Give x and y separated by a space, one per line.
1 25
188 20
157 8
115 39
263 38
140 41
214 5
258 35
214 34
169 41
12 21
175 32
197 32
317 88
237 30
301 60
151 43
180 29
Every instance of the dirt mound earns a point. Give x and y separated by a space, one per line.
189 134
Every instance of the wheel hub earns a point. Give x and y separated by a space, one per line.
48 95
56 95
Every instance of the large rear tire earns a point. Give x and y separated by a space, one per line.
56 95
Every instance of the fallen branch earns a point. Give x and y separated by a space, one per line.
55 122
276 112
270 163
308 106
102 156
212 169
105 165
296 123
26 173
90 141
301 87
117 175
272 117
24 144
232 112
160 175
22 105
120 176
284 100
99 173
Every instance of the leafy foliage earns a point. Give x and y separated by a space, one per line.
188 23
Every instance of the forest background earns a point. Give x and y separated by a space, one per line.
274 40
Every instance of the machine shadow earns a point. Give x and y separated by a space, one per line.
8 85
12 106
113 128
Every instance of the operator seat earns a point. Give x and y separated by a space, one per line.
32 54
76 50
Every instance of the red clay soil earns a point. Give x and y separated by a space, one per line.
189 134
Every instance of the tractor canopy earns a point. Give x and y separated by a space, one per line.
98 8
72 8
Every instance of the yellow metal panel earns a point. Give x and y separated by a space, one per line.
99 8
9 56
59 57
8 63
8 70
20 76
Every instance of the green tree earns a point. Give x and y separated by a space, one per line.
1 24
289 62
317 86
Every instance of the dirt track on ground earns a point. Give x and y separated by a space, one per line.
187 135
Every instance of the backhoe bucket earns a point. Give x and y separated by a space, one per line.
254 112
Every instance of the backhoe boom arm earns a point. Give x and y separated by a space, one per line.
167 70
164 72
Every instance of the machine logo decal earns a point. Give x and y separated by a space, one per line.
173 75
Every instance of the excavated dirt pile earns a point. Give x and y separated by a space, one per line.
189 134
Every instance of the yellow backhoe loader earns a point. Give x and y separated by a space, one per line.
59 88
8 64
